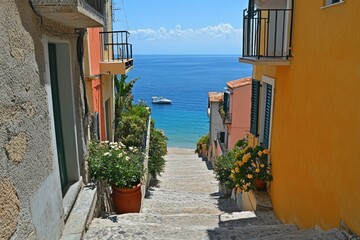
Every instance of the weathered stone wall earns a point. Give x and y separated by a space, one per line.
25 152
30 191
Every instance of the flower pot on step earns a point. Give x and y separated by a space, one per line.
245 201
260 184
127 200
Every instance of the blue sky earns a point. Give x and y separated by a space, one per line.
182 26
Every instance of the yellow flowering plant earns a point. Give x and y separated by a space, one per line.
251 164
241 172
260 164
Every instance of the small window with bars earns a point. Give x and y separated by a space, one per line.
331 2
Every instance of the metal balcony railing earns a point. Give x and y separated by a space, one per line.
116 47
98 5
267 33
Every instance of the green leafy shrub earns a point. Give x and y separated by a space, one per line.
114 163
157 151
222 168
203 140
133 126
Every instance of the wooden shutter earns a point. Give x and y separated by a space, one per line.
254 107
267 116
226 102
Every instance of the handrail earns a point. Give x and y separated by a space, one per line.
267 33
115 46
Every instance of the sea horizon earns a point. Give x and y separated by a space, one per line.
186 80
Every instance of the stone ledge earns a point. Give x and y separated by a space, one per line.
70 197
81 214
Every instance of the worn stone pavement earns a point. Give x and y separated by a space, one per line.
185 204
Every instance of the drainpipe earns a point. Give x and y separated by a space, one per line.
80 58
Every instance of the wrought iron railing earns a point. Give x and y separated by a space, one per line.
116 47
267 33
98 5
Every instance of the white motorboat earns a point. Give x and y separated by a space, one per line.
160 100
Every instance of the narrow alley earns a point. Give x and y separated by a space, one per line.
185 204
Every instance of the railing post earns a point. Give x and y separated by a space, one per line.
258 33
127 46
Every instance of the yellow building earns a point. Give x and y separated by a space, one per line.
305 106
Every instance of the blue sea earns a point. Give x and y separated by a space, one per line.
186 80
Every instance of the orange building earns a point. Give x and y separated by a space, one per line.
305 106
108 53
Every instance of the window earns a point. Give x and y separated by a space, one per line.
267 101
255 89
226 102
330 2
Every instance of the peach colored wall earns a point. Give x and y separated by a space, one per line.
96 84
94 50
240 109
98 106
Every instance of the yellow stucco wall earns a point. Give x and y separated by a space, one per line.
316 119
108 93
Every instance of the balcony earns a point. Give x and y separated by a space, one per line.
116 52
72 13
267 36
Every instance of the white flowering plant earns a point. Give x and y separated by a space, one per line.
118 165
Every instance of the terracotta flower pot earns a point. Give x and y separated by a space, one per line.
260 184
127 200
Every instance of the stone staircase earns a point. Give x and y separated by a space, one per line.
185 204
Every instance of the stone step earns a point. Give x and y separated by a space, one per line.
244 218
224 220
111 230
247 232
308 234
173 220
80 215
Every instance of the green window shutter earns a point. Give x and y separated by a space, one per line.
255 90
226 102
267 119
222 137
57 115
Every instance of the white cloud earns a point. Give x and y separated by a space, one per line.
223 31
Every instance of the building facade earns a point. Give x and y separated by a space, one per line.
305 106
217 129
108 53
43 113
237 115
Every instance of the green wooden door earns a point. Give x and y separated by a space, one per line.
57 114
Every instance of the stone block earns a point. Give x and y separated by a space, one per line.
9 209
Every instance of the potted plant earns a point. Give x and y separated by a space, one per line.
122 168
250 168
251 165
202 146
260 167
222 170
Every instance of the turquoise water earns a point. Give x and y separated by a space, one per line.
186 80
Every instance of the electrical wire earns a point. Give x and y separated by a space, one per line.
127 24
